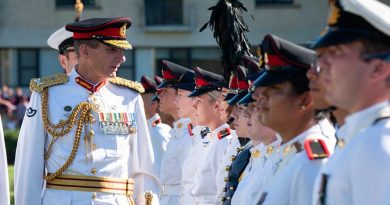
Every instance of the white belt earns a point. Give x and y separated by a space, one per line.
171 190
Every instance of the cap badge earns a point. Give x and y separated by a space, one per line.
334 13
122 31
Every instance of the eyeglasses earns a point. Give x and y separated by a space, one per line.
315 66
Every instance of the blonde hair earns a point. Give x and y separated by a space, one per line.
214 95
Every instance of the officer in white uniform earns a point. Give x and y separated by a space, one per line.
356 49
84 135
208 86
4 183
306 141
182 80
62 41
159 132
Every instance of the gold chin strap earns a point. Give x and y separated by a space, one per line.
63 128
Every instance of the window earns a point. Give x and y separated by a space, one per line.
270 2
70 3
163 12
205 58
126 70
28 64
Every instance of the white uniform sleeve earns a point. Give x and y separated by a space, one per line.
4 183
29 159
142 160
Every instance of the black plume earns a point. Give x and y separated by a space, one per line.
229 27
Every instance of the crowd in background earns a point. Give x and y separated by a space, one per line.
13 104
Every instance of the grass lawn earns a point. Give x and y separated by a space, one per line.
11 182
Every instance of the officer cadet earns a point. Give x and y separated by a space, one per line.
322 106
85 134
159 132
305 141
354 57
209 101
166 93
62 41
181 80
238 136
165 117
264 143
4 183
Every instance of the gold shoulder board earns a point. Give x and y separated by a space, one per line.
128 83
38 84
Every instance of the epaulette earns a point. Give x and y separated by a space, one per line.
127 83
190 127
156 122
223 133
316 149
38 84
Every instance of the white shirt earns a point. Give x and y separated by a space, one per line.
190 166
252 178
159 135
4 184
205 190
114 155
294 173
359 172
172 161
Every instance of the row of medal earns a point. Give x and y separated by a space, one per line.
117 123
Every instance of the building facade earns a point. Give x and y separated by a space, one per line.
161 29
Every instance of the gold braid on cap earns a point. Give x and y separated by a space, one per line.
128 83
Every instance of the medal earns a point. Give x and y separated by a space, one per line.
96 105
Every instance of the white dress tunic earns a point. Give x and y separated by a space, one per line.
172 162
4 184
359 171
205 190
160 136
293 174
190 166
111 155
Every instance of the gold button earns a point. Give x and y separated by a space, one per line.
93 170
94 195
231 188
226 179
341 143
233 157
227 168
228 198
223 199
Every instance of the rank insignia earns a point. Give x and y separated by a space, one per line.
156 122
316 149
117 123
190 127
223 133
30 112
